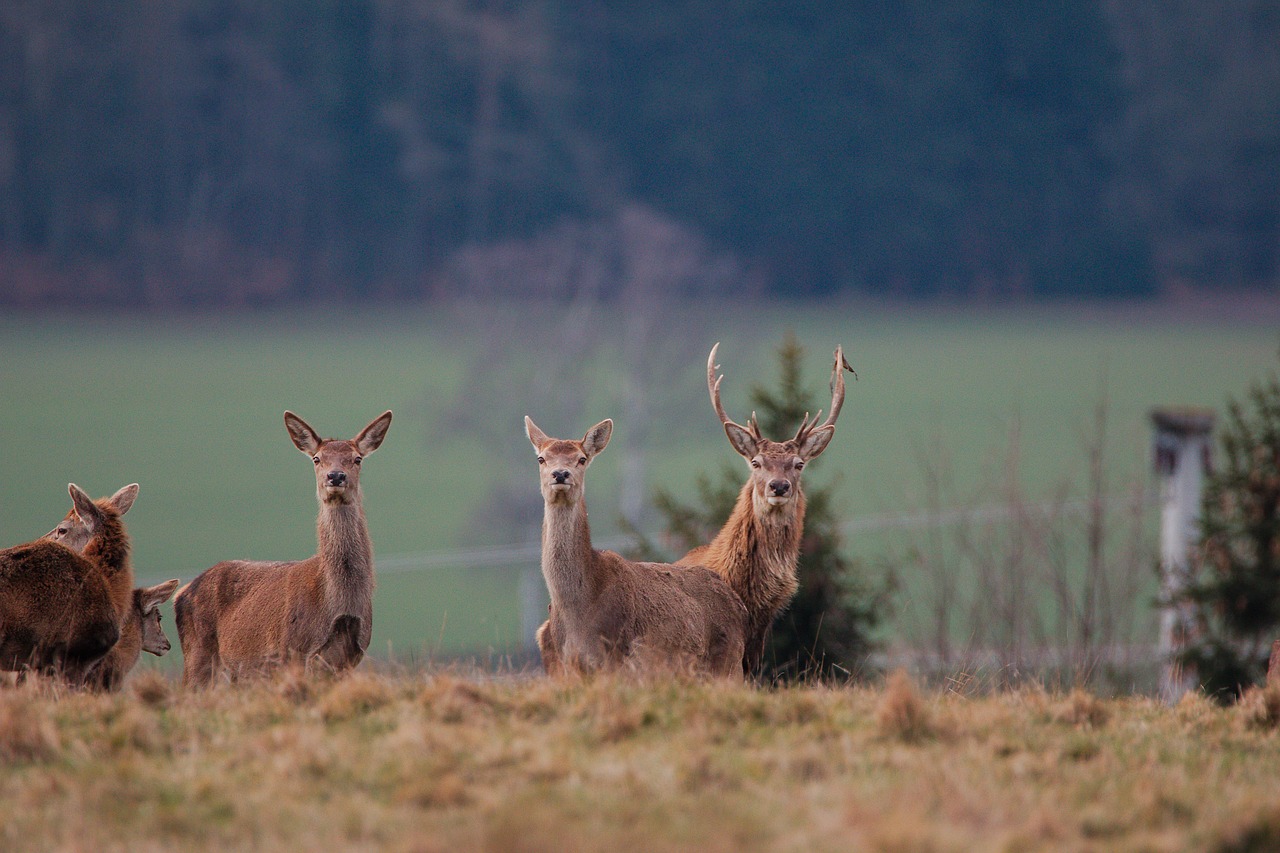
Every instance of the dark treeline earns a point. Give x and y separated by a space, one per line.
158 152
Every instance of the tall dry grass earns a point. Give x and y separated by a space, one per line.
448 760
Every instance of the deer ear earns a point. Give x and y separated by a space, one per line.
816 442
370 438
124 498
536 436
742 441
85 508
304 437
597 437
153 596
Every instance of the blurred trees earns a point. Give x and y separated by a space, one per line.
231 152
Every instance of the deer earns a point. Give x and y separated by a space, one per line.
140 632
243 616
757 549
61 610
140 629
608 613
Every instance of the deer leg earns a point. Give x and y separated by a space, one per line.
548 638
342 649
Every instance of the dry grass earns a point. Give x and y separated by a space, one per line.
444 761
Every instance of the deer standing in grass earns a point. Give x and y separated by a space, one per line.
757 549
140 629
611 613
61 611
245 616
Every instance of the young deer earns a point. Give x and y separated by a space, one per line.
611 613
61 611
757 549
140 630
244 616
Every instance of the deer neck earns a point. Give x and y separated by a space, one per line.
345 553
108 549
569 563
758 539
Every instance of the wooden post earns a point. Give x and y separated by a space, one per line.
1182 450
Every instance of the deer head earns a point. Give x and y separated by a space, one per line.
561 463
75 531
147 601
337 461
776 465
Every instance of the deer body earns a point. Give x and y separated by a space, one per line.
610 613
242 616
61 610
758 549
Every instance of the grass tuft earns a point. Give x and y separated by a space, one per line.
1081 708
26 732
1261 706
902 713
355 695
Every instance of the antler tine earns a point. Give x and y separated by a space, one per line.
754 427
837 385
713 384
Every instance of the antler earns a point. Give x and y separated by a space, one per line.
713 385
837 397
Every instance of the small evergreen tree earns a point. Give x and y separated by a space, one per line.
827 632
1235 589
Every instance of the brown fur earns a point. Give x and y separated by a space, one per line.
758 548
244 616
61 611
141 632
610 613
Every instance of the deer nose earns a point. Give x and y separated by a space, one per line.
779 487
336 478
561 477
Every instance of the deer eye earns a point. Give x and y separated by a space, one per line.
582 460
61 531
315 460
542 461
799 464
358 458
755 463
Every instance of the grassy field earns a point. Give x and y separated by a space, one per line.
440 761
190 407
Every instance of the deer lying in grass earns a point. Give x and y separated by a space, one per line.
61 611
611 613
757 549
140 629
244 616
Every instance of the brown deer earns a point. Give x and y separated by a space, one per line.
61 611
610 613
141 632
757 549
243 616
140 629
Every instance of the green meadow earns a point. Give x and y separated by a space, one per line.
190 407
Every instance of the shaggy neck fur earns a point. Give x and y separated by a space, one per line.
757 549
567 557
346 555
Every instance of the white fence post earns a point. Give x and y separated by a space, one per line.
1182 453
